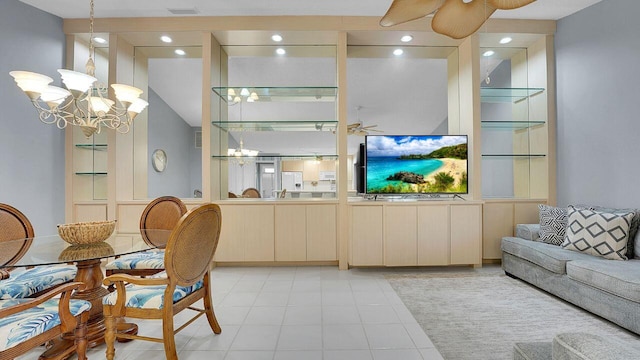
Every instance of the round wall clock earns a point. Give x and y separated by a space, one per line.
159 160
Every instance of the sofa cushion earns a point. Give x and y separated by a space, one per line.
550 257
620 278
633 228
553 224
598 233
532 351
528 231
583 346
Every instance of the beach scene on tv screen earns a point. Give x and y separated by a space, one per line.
416 164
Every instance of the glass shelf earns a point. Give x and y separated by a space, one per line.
279 125
95 147
272 94
92 173
507 95
516 125
523 156
261 157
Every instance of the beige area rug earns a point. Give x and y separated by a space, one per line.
480 316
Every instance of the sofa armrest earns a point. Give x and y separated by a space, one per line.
582 346
528 231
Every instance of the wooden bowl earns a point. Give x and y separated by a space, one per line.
90 232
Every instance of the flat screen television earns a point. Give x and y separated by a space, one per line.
416 164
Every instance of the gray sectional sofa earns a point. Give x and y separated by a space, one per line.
608 288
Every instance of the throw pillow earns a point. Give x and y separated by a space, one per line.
633 228
598 233
553 224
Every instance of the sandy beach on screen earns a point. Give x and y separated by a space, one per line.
454 167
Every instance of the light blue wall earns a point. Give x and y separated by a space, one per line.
31 153
598 51
168 131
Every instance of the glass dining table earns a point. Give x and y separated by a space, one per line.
53 250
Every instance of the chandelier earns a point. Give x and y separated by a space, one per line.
83 103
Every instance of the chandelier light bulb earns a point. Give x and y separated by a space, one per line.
100 106
254 96
54 95
231 92
76 81
31 82
138 105
244 92
126 93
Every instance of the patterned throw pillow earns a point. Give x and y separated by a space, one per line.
598 233
633 229
553 224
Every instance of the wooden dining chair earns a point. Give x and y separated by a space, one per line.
162 213
22 283
28 323
251 193
187 258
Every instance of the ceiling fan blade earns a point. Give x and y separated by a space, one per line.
402 11
380 131
509 4
458 19
368 127
354 125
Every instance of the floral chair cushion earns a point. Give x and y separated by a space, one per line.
18 328
143 260
150 297
22 284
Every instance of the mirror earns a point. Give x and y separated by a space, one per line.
168 141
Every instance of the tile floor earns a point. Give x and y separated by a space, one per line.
285 313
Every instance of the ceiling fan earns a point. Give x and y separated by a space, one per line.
454 18
358 127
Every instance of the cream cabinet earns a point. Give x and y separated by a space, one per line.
247 233
367 236
500 218
305 232
295 232
416 234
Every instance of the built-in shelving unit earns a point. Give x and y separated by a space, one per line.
255 118
507 151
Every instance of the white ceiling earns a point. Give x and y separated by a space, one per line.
540 9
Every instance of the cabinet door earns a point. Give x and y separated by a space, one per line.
497 221
466 234
400 236
290 232
433 235
321 233
366 236
247 233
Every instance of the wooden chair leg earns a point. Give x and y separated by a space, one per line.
211 315
168 336
110 333
81 336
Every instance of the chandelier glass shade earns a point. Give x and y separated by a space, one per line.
85 101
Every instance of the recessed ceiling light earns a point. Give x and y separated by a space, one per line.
99 40
276 37
398 52
281 51
166 39
179 52
488 53
406 38
505 40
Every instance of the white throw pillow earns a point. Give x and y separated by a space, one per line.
598 233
